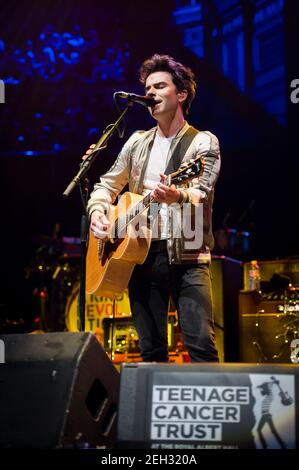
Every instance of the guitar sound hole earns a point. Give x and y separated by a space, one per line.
110 248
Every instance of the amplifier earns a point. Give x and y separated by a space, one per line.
267 327
227 280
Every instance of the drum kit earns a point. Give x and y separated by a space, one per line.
53 286
52 299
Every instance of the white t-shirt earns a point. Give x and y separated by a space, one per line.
156 165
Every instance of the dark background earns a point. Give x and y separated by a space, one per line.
63 60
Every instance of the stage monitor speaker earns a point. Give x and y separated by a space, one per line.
227 279
208 406
57 390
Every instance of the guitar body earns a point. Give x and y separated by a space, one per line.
286 400
109 265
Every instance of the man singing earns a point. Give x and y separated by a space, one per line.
174 266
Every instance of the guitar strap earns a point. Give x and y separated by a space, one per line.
176 157
180 150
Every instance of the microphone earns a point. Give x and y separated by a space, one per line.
144 100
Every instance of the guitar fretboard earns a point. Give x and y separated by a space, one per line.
122 222
183 174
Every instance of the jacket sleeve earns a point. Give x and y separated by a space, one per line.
110 185
207 146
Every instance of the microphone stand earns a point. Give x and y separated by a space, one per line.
84 183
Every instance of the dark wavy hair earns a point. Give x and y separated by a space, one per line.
182 76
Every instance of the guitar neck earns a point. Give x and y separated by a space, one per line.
191 169
121 223
138 208
278 385
144 203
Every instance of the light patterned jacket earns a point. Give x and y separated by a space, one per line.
129 168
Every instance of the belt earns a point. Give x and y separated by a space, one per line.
158 245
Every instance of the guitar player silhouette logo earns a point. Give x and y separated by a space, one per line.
267 390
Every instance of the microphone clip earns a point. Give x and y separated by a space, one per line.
146 101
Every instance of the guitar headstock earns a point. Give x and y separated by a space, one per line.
187 171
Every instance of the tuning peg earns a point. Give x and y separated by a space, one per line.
186 164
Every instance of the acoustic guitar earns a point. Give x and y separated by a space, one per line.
109 264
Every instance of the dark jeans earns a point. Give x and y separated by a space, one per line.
190 287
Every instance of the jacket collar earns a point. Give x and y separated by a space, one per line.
152 132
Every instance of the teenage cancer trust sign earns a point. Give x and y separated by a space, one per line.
238 411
